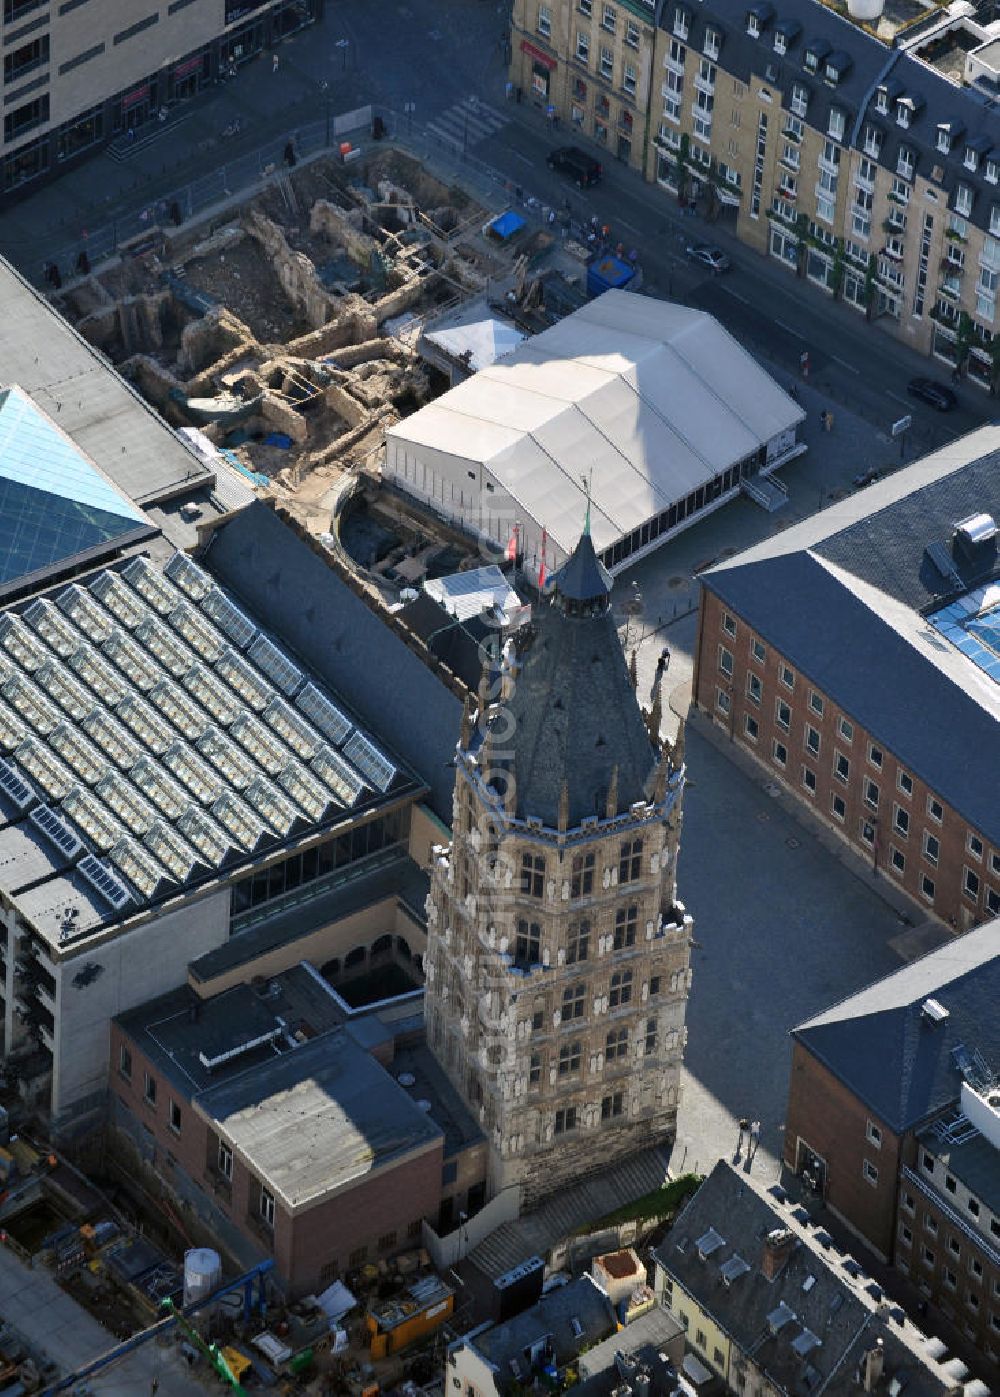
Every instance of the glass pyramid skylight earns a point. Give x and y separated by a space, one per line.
54 504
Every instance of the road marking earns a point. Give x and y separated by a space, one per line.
845 365
735 295
524 159
890 394
630 226
787 328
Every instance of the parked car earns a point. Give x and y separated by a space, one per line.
933 393
581 168
713 258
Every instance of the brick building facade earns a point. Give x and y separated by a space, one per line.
824 673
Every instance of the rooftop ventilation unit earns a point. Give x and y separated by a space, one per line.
708 1243
779 1317
732 1269
933 1011
977 529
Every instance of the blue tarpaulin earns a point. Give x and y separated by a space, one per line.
505 225
608 272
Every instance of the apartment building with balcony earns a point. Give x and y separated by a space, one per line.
893 1118
589 64
869 169
856 655
80 73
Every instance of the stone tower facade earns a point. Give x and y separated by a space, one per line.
558 954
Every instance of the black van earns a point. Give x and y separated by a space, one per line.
582 168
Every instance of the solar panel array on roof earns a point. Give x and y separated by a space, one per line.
165 732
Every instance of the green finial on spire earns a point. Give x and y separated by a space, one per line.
587 481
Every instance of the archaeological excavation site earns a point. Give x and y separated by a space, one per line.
290 332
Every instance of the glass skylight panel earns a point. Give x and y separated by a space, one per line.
229 618
168 795
308 793
209 838
339 775
112 738
150 585
119 599
60 685
12 730
139 866
93 817
324 713
175 853
85 613
261 743
20 644
31 704
49 622
131 659
144 721
241 822
192 772
7 669
189 577
285 675
13 784
199 632
374 765
251 687
220 700
121 797
226 757
101 676
276 809
301 736
100 877
78 752
174 704
172 653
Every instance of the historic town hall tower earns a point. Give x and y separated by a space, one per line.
557 958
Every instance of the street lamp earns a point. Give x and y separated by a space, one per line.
343 45
324 87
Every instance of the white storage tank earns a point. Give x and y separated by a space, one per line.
868 10
202 1273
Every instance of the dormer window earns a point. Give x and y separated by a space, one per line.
837 124
682 23
905 162
882 101
995 220
838 65
800 99
992 171
943 140
811 60
971 158
873 142
753 26
780 43
903 114
712 44
963 200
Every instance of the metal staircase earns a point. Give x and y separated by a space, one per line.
767 491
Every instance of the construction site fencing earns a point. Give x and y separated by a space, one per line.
231 178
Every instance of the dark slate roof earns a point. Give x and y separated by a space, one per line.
304 600
835 1308
932 97
859 577
583 577
455 641
573 716
882 1046
582 1300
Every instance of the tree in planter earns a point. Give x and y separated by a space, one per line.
870 290
802 233
837 270
682 169
963 341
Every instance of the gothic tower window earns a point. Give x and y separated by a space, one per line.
582 879
578 942
565 1120
573 1002
626 921
630 861
532 875
616 1044
569 1059
528 944
621 989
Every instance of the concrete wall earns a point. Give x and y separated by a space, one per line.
125 971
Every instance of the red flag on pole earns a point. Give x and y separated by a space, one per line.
512 546
541 565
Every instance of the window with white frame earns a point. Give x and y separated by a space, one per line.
780 42
782 714
610 19
963 200
837 124
582 46
873 1134
932 847
545 21
607 63
631 33
871 793
809 780
799 99
266 1207
901 820
629 79
904 782
682 23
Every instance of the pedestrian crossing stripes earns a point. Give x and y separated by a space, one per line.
465 124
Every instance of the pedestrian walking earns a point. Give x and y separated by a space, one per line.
754 1140
290 157
829 420
744 1125
665 657
274 62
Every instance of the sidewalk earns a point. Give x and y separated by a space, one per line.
53 1324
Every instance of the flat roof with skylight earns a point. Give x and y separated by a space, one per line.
154 739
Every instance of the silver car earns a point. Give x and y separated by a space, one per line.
713 258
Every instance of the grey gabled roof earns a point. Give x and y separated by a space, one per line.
932 98
894 1058
346 638
815 1295
553 1317
859 578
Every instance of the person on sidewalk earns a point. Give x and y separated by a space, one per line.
754 1141
274 62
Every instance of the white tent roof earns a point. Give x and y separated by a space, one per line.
654 398
485 340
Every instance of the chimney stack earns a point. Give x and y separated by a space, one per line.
777 1249
872 1365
